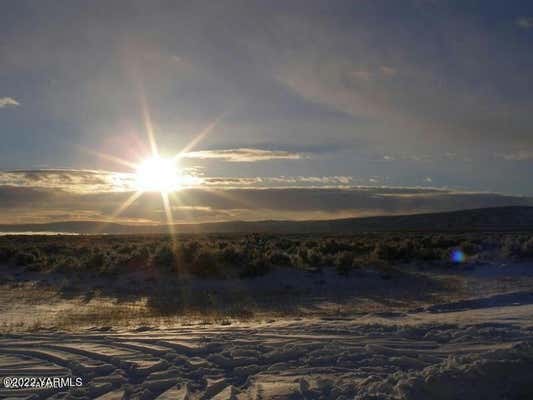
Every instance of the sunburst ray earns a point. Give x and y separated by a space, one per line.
200 136
123 207
110 157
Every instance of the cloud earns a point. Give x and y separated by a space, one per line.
8 101
282 181
244 155
520 155
399 91
369 74
96 181
79 181
525 22
387 71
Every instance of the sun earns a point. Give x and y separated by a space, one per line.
158 174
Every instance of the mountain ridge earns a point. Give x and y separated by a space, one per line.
512 218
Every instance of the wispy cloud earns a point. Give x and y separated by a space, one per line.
71 180
96 181
525 22
520 155
8 101
376 73
244 155
283 181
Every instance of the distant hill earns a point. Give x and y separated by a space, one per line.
483 219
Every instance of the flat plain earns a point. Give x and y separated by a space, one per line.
261 316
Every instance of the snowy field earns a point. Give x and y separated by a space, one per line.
476 346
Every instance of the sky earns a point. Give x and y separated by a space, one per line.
278 110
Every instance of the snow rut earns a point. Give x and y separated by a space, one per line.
304 359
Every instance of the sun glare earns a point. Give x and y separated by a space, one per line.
158 174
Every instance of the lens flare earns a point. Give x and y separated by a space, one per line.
458 256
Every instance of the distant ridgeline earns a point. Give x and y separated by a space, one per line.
483 219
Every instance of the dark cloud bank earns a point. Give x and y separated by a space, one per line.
33 205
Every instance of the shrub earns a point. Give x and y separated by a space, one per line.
344 259
311 244
6 253
254 269
344 262
315 258
511 248
284 244
164 259
205 265
384 251
189 250
94 261
111 268
25 258
332 246
527 248
429 254
138 258
470 248
66 265
229 256
279 258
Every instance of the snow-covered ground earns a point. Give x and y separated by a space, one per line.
476 346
